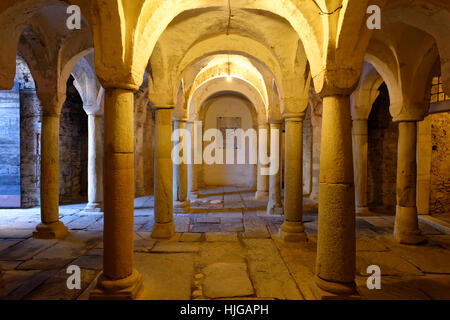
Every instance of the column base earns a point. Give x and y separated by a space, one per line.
362 211
129 288
406 229
293 232
262 195
181 206
56 230
193 195
94 207
275 209
163 230
344 291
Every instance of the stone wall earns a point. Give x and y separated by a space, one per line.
382 155
30 150
236 112
10 148
440 163
73 149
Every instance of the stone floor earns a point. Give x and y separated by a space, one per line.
227 248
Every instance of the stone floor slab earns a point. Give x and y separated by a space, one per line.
166 276
227 280
268 271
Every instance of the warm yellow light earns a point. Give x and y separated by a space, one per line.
229 78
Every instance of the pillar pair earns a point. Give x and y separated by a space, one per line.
406 221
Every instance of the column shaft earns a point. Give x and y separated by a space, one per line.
192 168
274 206
262 181
164 227
335 264
360 150
292 228
406 222
181 204
50 227
95 163
119 279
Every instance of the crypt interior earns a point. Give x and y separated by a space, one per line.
359 119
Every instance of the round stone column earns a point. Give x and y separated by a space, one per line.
192 168
360 150
262 181
274 206
293 229
164 227
119 279
181 204
95 163
335 264
406 228
51 227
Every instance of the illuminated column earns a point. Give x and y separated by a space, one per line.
192 170
293 229
274 206
406 222
119 279
181 203
164 227
95 163
360 150
262 192
336 253
50 227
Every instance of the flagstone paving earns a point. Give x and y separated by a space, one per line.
226 247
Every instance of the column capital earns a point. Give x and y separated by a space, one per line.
294 117
93 110
185 120
120 86
162 107
275 121
51 113
407 112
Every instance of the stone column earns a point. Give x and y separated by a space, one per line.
119 279
164 227
262 181
293 229
95 163
360 150
335 264
274 206
406 228
181 203
51 227
192 167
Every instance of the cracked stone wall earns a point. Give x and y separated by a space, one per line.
440 163
382 155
